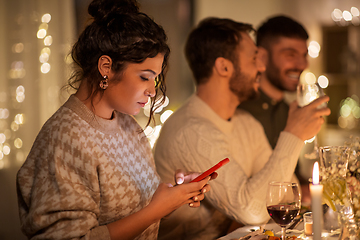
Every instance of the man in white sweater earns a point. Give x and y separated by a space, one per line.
209 128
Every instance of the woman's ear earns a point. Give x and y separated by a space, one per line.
263 55
223 67
104 65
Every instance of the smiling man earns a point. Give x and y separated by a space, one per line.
209 127
283 49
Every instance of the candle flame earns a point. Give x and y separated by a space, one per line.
315 176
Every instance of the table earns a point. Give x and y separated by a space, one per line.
298 231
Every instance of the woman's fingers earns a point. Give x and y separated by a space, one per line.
194 204
213 175
179 176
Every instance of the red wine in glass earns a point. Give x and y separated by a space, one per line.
283 203
283 214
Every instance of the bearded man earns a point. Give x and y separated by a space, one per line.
209 127
283 49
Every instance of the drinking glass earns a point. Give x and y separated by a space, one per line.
333 167
283 203
306 93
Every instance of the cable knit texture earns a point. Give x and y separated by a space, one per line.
195 138
84 172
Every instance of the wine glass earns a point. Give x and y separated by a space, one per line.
283 202
306 93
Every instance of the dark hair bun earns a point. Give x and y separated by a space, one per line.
100 10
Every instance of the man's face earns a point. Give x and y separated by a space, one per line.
244 82
287 60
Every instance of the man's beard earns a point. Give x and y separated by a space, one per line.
243 86
273 74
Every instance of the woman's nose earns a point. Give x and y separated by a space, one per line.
150 91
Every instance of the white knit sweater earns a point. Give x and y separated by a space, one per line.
84 172
195 138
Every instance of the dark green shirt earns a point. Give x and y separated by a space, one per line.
271 114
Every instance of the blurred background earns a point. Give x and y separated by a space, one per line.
36 37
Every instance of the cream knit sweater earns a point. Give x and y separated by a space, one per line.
195 138
84 172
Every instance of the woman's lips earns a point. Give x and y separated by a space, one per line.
142 104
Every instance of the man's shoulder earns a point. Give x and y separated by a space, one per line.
184 121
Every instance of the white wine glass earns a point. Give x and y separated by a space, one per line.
306 93
283 202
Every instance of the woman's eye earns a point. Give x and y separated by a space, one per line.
144 78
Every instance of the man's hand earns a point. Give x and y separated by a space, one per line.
305 122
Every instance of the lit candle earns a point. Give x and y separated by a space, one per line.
316 190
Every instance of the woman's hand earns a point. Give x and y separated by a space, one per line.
167 198
182 177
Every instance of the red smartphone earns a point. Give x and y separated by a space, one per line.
211 170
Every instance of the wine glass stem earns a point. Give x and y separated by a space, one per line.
283 233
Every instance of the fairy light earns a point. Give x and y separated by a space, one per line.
349 112
346 17
314 49
323 81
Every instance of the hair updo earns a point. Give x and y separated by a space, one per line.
126 35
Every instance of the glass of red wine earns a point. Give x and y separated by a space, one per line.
283 203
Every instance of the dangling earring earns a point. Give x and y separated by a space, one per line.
104 83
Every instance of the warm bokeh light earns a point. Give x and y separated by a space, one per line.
14 126
48 41
165 115
310 78
2 138
355 11
45 50
154 135
44 26
45 68
148 130
20 89
323 81
4 113
347 16
18 143
6 149
19 118
314 49
41 33
336 15
46 18
161 106
44 57
18 48
349 112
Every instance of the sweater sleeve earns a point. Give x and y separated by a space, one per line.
58 191
198 146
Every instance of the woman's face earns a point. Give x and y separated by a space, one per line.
135 86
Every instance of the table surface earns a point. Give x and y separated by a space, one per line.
298 231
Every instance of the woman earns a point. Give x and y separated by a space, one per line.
90 173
